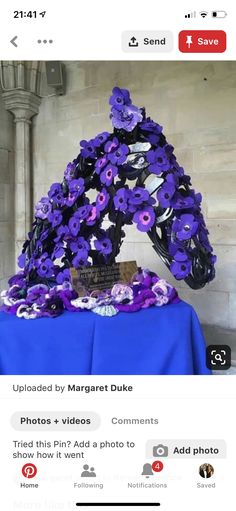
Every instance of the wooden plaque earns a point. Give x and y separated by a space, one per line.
100 278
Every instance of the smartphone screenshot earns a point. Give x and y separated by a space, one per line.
117 256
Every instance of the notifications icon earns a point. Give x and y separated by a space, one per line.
29 470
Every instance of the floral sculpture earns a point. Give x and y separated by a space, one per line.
68 229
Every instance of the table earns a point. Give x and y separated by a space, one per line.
158 340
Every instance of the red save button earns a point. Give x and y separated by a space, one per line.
202 41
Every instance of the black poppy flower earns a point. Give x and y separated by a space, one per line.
185 227
159 161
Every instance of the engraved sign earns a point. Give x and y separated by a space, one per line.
100 278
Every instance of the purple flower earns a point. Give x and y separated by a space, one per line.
63 276
158 160
74 225
127 118
104 246
36 294
164 194
52 308
180 269
83 212
46 268
138 195
93 216
144 218
58 251
18 279
101 163
177 252
151 126
88 149
102 199
119 98
108 174
62 233
185 227
119 156
55 218
21 260
180 201
101 138
79 244
120 199
70 172
76 188
56 194
81 259
111 145
43 208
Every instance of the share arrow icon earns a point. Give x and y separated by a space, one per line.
13 41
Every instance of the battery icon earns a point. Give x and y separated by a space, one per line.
219 14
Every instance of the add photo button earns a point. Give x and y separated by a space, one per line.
147 41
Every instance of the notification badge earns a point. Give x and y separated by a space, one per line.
29 470
202 41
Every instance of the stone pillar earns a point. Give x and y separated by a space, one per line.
23 105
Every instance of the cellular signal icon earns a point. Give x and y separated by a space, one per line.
203 14
191 15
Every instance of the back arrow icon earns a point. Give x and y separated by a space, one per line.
13 41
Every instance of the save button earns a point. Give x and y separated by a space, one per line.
202 41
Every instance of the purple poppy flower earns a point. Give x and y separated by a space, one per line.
76 188
180 269
55 218
74 225
185 227
46 268
70 172
21 260
119 156
101 163
144 218
101 138
102 199
138 195
83 212
103 245
58 251
180 201
79 244
56 194
120 199
164 194
18 279
36 294
43 208
151 126
158 160
112 145
81 259
93 216
88 149
52 308
178 252
152 138
127 118
63 276
119 98
62 233
108 174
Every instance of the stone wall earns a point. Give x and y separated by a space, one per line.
196 104
6 195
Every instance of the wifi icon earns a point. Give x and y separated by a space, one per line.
203 14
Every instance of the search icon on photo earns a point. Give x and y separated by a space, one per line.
218 357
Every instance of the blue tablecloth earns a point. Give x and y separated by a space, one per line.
159 340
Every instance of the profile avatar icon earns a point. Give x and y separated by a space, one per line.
88 473
206 470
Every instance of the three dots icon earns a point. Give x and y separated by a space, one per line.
45 41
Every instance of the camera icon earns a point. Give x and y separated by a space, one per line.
160 451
